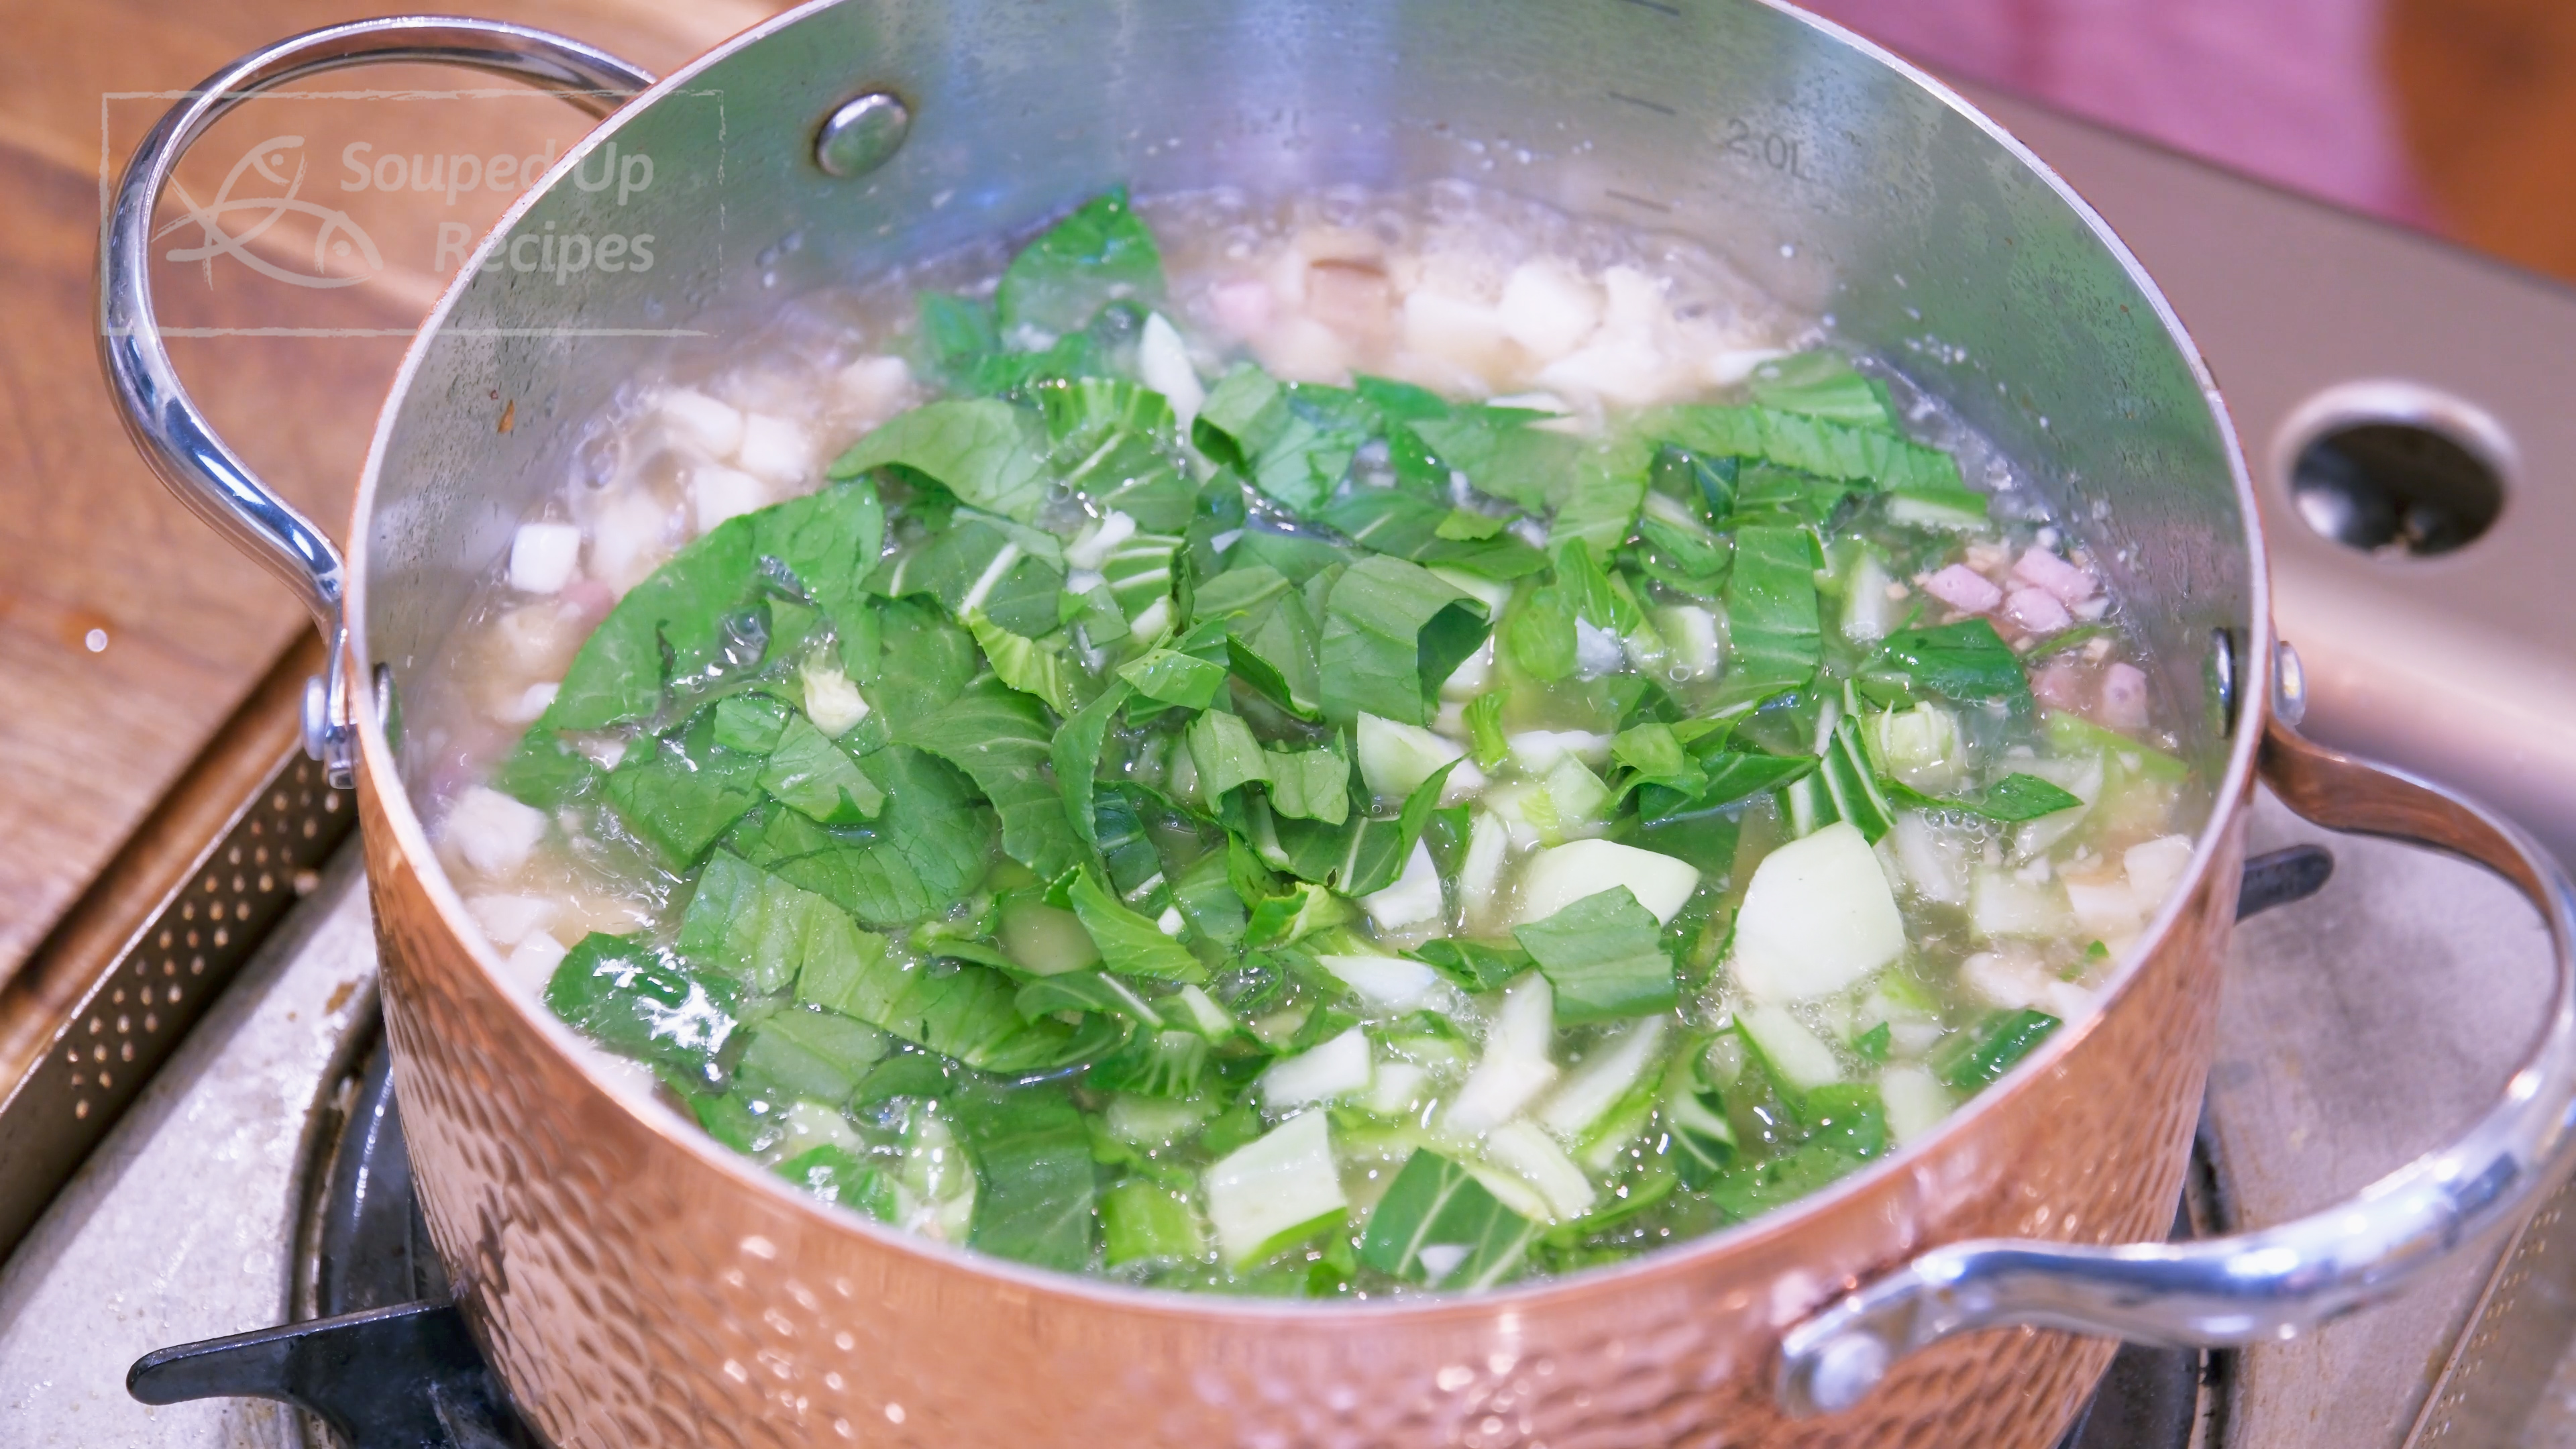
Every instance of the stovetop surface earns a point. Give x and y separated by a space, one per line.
2454 666
184 1224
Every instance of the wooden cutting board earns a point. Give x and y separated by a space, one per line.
128 630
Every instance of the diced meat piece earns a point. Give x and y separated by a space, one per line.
2014 978
1352 298
2067 1001
1463 333
1636 301
543 557
2060 685
2154 868
2037 611
1964 589
532 963
590 600
2042 569
493 832
1730 366
1548 309
523 707
2124 698
508 920
1340 244
538 640
2106 907
1286 274
1301 349
720 493
628 540
777 449
1243 308
876 388
697 421
1626 370
1537 402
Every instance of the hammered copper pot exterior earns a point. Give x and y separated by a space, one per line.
637 1285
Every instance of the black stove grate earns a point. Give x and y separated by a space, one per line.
386 1362
2151 1398
370 1245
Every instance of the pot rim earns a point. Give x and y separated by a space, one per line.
2229 798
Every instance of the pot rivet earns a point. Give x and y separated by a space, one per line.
1847 1368
2222 678
2289 686
862 135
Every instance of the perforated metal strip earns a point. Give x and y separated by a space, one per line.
2506 1359
105 1036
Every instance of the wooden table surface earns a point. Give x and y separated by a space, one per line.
128 630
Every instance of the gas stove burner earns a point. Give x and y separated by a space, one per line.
406 1377
2149 1399
387 1363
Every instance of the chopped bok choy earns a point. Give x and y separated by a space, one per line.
1171 801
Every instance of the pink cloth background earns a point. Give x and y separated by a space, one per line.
2288 90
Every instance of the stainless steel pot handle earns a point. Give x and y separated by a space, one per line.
166 424
2274 1282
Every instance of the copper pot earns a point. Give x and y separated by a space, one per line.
636 1284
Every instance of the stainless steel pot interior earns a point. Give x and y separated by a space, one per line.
1821 170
